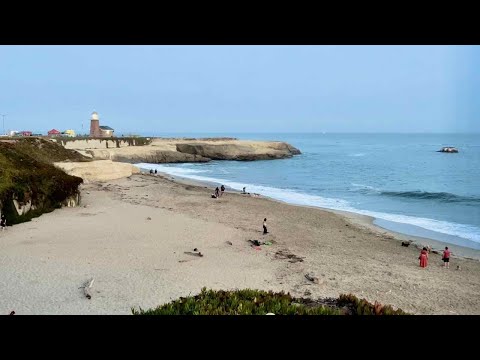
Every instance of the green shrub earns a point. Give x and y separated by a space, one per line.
257 302
363 307
240 302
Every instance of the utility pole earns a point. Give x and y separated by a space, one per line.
3 118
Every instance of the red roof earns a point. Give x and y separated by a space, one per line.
53 131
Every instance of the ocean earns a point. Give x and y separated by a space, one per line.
399 179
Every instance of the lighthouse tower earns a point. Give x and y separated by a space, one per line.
94 125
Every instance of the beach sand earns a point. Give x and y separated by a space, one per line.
142 262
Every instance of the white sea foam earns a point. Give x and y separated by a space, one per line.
178 170
298 198
461 230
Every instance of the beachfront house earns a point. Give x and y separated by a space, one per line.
54 133
69 133
25 133
106 131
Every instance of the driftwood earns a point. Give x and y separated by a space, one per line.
193 253
87 287
312 278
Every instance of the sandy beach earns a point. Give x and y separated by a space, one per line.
135 236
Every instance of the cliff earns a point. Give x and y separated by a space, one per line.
190 150
243 151
29 184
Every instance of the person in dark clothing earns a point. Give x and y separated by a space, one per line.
217 192
265 231
155 171
3 222
151 171
222 189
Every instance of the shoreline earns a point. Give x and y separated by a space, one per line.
366 221
135 237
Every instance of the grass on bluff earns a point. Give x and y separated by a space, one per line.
26 174
47 151
257 302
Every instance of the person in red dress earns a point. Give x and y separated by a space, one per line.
423 257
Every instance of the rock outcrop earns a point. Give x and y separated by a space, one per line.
193 150
100 170
239 151
448 149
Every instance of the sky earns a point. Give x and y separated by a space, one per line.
194 89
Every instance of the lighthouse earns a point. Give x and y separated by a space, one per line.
94 125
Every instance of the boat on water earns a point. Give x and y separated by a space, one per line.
448 149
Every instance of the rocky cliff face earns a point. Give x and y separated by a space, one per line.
243 152
145 154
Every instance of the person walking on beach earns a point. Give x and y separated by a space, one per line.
446 258
222 189
265 231
217 192
244 188
3 222
423 257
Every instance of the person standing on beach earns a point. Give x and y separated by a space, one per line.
3 222
265 231
446 258
217 192
222 189
423 257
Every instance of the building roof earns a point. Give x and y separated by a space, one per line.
106 128
54 131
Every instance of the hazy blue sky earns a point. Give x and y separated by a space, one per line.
242 88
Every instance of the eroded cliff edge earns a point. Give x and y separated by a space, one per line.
29 183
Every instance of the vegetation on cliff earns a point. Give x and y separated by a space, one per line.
46 151
27 176
256 302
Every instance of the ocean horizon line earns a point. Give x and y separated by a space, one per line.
155 133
